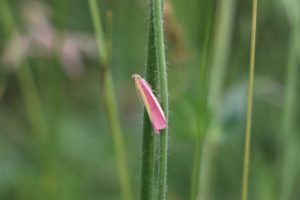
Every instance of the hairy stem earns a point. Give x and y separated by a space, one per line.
148 176
162 69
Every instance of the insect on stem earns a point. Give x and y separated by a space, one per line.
154 110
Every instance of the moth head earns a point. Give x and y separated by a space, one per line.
135 76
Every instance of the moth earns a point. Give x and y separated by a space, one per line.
154 110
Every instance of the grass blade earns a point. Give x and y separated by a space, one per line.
246 161
111 104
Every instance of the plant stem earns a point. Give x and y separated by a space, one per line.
96 17
111 104
196 166
221 47
247 146
162 68
148 180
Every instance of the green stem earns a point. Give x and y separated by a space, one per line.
196 166
95 14
111 104
247 146
162 68
221 47
111 109
148 181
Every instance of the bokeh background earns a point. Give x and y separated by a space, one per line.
54 139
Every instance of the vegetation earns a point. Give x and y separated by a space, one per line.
72 126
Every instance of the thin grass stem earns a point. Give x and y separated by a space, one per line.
110 104
246 162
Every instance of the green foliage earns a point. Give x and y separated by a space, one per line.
50 80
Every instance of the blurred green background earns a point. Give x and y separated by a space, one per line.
57 144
